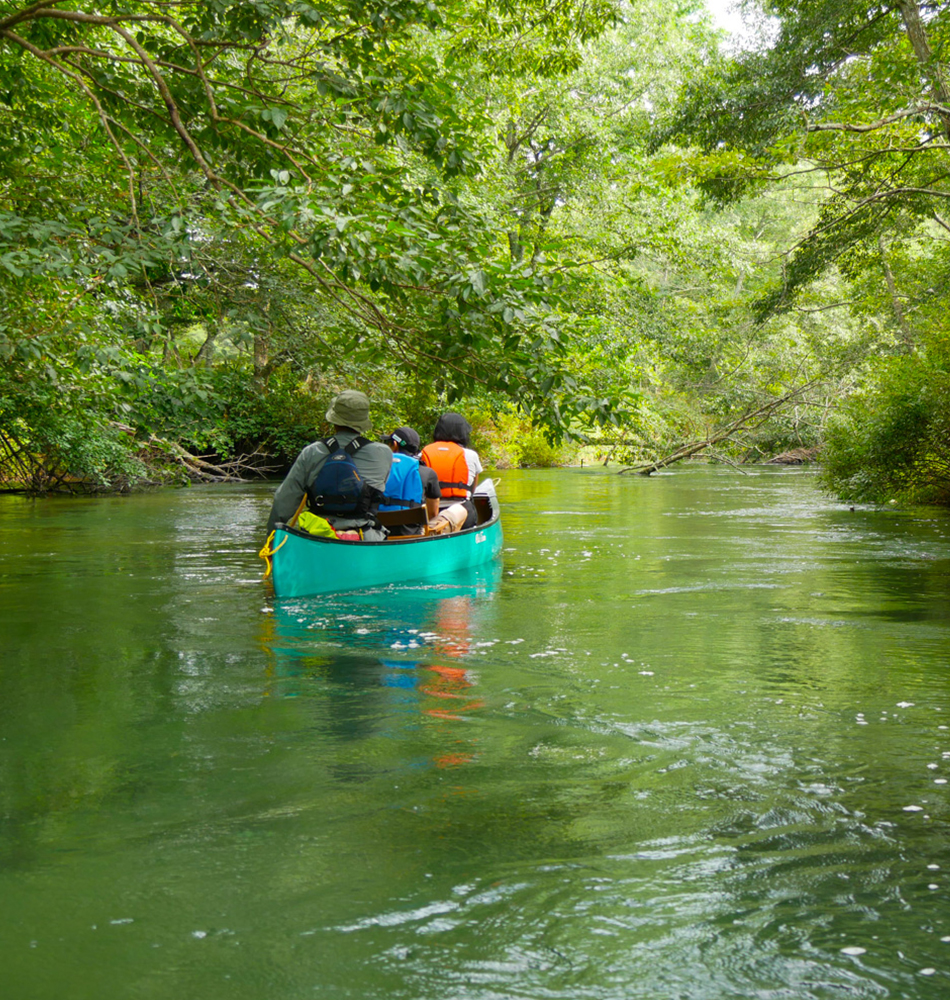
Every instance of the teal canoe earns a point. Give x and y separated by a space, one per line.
305 564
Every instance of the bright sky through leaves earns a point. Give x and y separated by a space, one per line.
726 15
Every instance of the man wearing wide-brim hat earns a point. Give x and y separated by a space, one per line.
349 415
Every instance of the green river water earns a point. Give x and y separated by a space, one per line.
688 739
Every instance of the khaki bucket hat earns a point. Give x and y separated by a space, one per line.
350 409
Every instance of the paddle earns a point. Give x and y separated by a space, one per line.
297 512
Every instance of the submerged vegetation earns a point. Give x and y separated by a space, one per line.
583 223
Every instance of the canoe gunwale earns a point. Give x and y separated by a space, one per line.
406 540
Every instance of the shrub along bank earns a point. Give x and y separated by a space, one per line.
889 442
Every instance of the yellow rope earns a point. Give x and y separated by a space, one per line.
267 552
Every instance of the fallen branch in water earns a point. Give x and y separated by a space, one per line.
24 469
748 421
717 456
200 470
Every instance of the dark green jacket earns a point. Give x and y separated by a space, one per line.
373 460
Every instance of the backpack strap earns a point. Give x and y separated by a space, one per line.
323 499
354 446
332 444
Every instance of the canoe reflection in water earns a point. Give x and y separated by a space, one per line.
418 693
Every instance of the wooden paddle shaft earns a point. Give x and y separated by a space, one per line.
297 512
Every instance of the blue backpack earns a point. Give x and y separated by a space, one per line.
404 485
338 490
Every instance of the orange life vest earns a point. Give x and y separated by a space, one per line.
448 460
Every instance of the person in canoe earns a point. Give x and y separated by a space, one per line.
455 463
409 482
343 476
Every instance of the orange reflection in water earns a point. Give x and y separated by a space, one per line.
452 623
452 688
452 684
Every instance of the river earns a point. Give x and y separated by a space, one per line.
687 739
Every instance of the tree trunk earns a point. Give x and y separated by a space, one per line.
896 304
261 354
206 351
917 35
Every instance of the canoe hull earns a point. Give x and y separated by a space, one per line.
308 564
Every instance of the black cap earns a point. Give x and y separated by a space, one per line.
405 439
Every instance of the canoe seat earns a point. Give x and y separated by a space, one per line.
408 515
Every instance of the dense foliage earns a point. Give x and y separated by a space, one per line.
857 96
889 441
278 179
578 220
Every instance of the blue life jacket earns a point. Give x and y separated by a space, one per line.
404 485
338 489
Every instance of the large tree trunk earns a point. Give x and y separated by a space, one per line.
917 35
